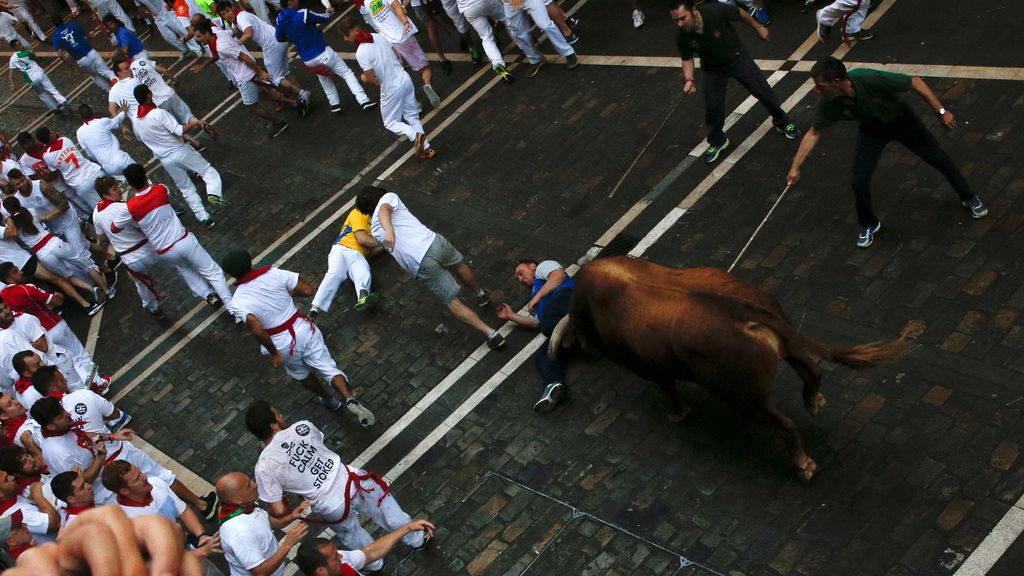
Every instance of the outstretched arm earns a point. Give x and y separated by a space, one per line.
919 86
808 143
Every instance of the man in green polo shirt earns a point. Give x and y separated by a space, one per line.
873 99
708 30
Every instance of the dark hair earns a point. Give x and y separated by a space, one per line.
24 138
63 485
113 475
111 19
85 111
828 69
349 24
46 410
120 59
259 418
14 173
57 20
521 262
309 558
141 93
203 27
368 198
135 174
676 4
43 135
224 5
5 269
44 379
15 43
22 218
18 361
104 184
10 460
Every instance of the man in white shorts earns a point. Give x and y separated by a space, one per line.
521 31
321 553
426 256
480 13
71 42
300 28
247 531
245 73
162 133
295 460
96 136
347 259
398 107
78 171
275 54
388 19
150 211
263 299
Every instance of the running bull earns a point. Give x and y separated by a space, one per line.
705 326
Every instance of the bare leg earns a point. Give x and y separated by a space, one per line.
61 283
262 112
464 274
190 498
435 41
341 384
98 279
426 74
557 16
313 385
467 316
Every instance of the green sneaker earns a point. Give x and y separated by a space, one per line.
790 131
367 301
474 54
216 201
713 152
504 74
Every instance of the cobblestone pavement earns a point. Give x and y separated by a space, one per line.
917 461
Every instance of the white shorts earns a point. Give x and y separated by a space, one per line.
249 91
178 108
276 61
307 354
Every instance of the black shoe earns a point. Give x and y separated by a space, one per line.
212 504
214 300
369 105
314 313
573 22
976 206
446 66
824 32
158 313
94 308
862 34
114 263
278 129
111 278
336 109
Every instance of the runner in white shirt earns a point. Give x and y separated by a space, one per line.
159 131
122 93
7 31
263 299
28 361
37 512
166 23
295 460
137 253
398 106
321 553
275 54
246 531
426 256
96 137
52 208
389 19
93 412
24 61
78 171
245 73
151 212
76 494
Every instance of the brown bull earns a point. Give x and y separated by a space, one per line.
706 326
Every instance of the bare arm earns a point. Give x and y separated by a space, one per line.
10 231
381 546
505 313
59 201
303 289
399 11
385 222
246 34
555 279
191 522
42 344
96 466
293 537
810 140
369 77
689 87
919 86
762 32
35 491
261 335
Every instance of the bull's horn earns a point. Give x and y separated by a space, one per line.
556 336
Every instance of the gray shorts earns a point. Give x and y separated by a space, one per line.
433 271
178 108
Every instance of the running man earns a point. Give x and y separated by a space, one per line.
388 19
24 61
96 137
72 45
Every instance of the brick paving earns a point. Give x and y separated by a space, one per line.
917 461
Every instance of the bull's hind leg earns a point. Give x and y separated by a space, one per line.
677 410
809 371
805 466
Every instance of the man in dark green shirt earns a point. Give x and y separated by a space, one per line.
708 30
873 98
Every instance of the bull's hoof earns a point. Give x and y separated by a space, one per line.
815 405
807 471
679 415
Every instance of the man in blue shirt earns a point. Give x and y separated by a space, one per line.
300 28
126 41
72 45
551 288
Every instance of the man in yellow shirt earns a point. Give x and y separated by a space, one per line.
347 259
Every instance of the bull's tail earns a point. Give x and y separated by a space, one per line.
862 355
562 330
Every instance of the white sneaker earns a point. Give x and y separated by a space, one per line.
366 418
432 96
638 18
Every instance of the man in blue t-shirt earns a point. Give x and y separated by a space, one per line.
300 28
126 41
551 288
72 45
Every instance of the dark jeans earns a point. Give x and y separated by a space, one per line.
555 308
746 72
911 132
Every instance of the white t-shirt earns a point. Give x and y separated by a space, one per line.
145 72
354 558
159 130
62 453
36 521
78 171
384 20
379 56
151 211
96 136
248 541
412 238
229 52
165 502
123 239
26 65
17 337
90 408
266 297
262 33
545 268
124 91
40 205
296 461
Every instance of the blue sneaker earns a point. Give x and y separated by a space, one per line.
868 235
761 15
713 152
120 423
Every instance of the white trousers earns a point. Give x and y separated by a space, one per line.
62 336
104 7
189 253
451 7
259 8
116 162
276 61
479 13
71 232
178 164
141 273
539 14
60 258
854 11
47 92
8 33
170 29
329 63
93 64
306 353
25 16
401 112
342 262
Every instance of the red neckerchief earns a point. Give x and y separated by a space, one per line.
229 511
347 570
11 427
359 3
5 505
38 155
58 396
363 37
124 501
213 47
103 203
81 438
76 510
53 143
22 384
146 109
87 120
26 481
16 551
253 274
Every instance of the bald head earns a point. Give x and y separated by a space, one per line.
232 486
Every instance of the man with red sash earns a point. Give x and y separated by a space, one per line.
76 494
263 299
247 531
295 460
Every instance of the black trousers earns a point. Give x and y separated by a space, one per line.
912 133
555 308
716 80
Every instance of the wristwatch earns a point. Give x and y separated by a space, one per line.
942 111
